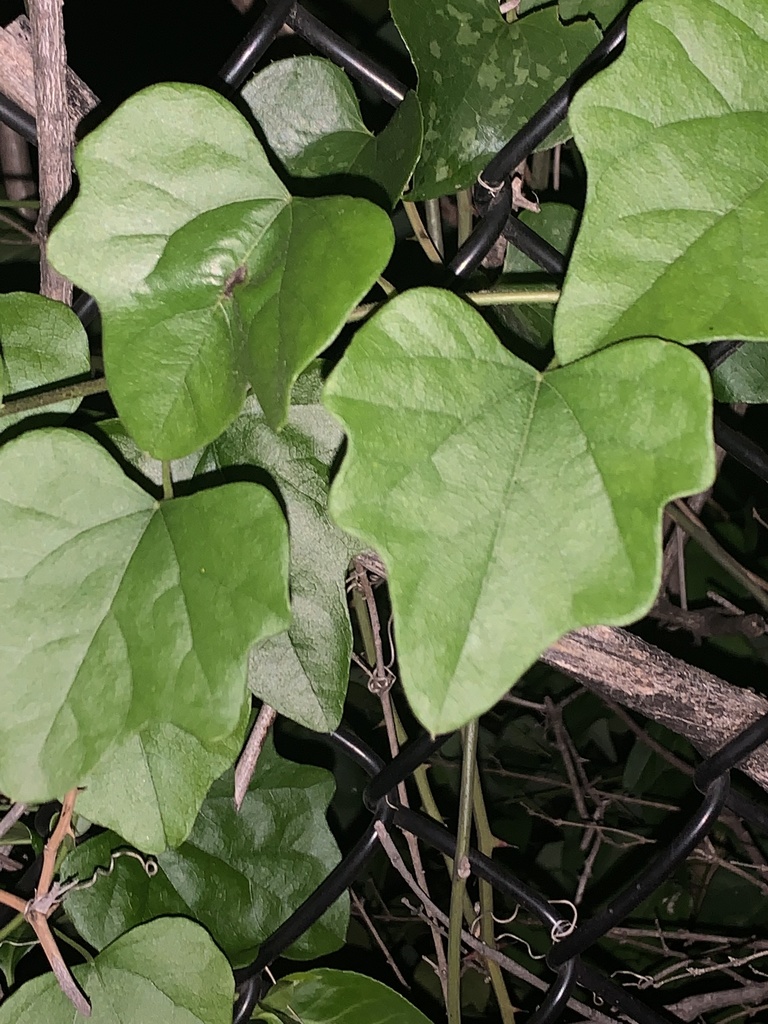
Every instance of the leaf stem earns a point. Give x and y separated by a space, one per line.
434 224
167 480
513 296
421 233
20 204
461 871
499 297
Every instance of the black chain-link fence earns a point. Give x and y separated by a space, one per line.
493 196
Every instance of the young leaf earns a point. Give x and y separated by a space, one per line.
169 971
604 11
302 673
117 612
509 506
480 79
239 873
41 341
667 246
206 272
743 377
310 116
326 996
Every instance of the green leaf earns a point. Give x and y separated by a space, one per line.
480 79
509 506
310 116
326 996
118 612
41 341
743 377
169 971
660 227
207 274
604 11
239 873
170 770
302 673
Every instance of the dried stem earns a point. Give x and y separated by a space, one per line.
54 131
246 763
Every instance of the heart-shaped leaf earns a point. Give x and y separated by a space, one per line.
169 971
310 116
660 224
302 673
480 79
240 873
118 612
199 260
41 341
509 506
326 996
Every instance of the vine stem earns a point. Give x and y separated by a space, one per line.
461 871
487 842
366 613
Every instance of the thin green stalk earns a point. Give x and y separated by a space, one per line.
20 204
429 805
464 210
84 953
460 871
167 480
11 927
434 224
513 296
487 843
420 232
499 297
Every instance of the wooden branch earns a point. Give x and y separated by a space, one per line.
704 709
17 77
54 131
